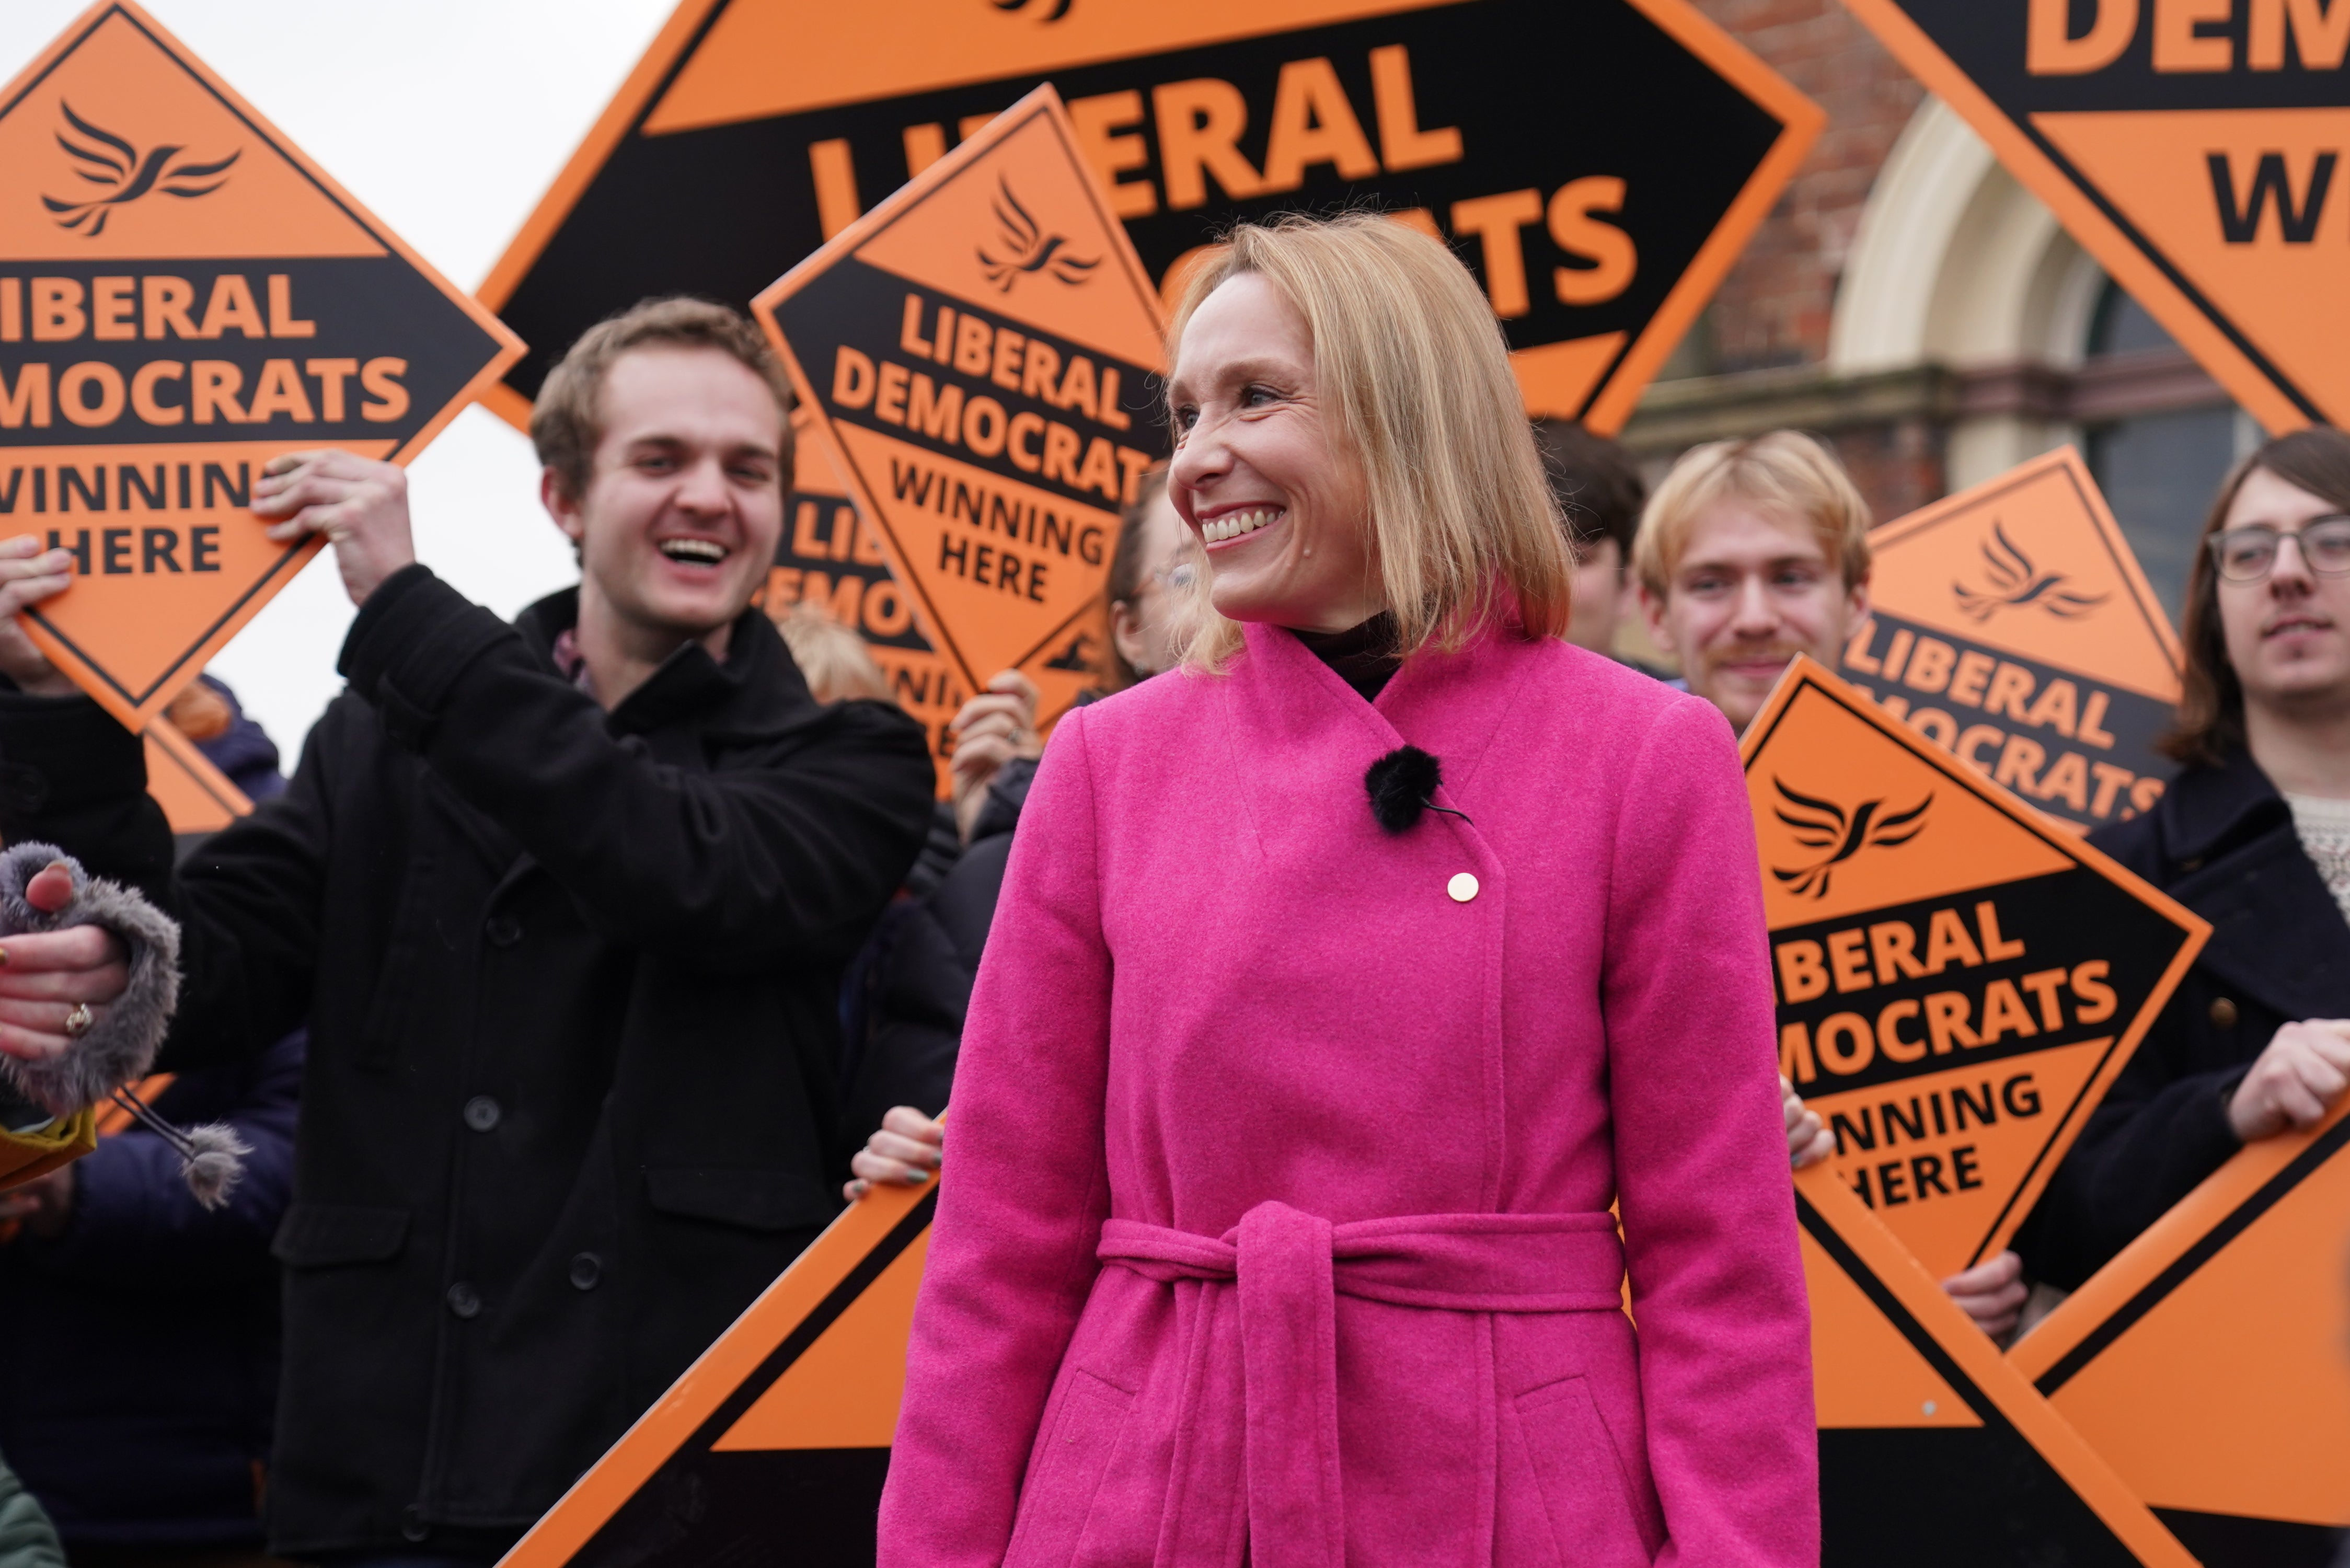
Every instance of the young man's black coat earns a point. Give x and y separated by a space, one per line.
572 983
2221 841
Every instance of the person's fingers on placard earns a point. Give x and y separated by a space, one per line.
908 1121
872 1165
2329 1037
1011 682
990 714
30 574
2307 1088
1814 1148
1992 1294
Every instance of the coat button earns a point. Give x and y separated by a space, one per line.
482 1113
1463 887
464 1300
586 1268
503 930
2223 1013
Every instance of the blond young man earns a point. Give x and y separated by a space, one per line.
1750 553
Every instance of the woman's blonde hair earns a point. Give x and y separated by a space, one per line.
1411 367
1786 473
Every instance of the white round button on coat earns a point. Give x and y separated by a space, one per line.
1463 887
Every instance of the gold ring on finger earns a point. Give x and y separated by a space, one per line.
79 1020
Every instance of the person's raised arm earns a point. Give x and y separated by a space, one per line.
729 867
1701 1157
1020 1209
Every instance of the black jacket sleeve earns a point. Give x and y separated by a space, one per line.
72 776
729 867
2158 1132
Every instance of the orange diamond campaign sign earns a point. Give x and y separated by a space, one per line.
773 1444
1934 1452
1959 979
2012 627
183 297
980 352
1599 164
830 559
2206 1362
2191 146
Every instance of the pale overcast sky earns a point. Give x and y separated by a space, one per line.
448 119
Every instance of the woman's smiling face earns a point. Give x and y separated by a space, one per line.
1259 474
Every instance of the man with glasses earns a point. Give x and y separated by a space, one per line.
2253 836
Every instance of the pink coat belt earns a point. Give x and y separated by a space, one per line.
1276 1359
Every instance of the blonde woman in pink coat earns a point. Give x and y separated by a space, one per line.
1297 1085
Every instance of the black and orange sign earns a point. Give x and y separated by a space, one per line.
184 296
830 559
979 352
2191 146
2210 1364
1934 1452
1959 979
780 1431
196 797
1599 164
2012 628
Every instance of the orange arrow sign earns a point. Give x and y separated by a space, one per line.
184 296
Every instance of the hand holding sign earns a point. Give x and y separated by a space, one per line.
2294 1082
357 505
28 575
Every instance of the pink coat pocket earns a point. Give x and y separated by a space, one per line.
1598 1516
1058 1495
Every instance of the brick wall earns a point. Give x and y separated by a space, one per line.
1774 307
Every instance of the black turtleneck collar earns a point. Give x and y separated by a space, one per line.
1365 657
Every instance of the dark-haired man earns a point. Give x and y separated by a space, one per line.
1599 490
565 904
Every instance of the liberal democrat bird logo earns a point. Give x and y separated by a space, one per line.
1032 250
1054 9
1823 825
2017 584
126 175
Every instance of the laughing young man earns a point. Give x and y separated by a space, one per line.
565 904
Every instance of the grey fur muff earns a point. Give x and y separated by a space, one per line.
121 1045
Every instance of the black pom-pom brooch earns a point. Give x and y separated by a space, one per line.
1402 785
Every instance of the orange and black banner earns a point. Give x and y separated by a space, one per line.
2206 1363
1959 979
1599 163
1934 1453
185 297
774 1445
2193 147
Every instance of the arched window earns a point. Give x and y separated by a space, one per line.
2159 434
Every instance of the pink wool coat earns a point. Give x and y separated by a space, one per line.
1275 1224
